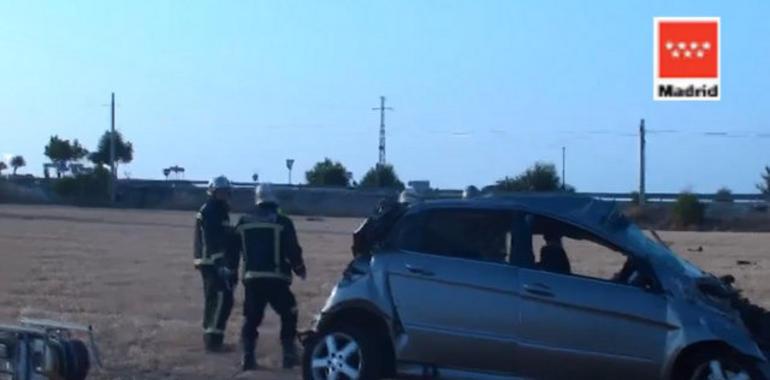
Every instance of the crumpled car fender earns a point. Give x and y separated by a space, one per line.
724 330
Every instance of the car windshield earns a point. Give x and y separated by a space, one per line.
659 253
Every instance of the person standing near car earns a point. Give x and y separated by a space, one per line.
214 258
271 253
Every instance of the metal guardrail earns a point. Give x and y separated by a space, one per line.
671 197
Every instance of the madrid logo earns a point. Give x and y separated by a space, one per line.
686 58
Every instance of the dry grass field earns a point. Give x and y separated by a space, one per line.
129 274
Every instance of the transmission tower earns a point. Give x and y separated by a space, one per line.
382 110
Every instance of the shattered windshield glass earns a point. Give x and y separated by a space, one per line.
659 253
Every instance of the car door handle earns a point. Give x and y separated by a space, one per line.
417 270
538 290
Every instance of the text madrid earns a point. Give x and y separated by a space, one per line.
671 91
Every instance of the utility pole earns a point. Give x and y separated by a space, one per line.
113 175
382 110
289 165
642 144
563 168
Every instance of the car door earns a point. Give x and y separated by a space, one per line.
593 328
457 302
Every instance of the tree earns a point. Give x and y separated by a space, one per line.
124 150
78 152
328 173
17 162
382 175
3 166
61 152
540 177
765 186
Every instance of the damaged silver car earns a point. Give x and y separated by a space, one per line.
38 349
458 289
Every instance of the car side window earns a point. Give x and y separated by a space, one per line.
566 249
470 234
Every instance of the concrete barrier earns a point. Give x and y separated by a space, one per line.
299 200
26 192
345 202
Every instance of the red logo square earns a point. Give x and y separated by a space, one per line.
688 49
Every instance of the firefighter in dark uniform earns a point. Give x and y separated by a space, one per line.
271 253
216 259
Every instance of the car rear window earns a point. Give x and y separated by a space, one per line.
470 234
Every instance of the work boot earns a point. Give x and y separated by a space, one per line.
248 361
213 342
290 357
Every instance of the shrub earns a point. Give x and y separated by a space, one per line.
635 197
723 195
328 173
382 175
540 177
85 188
688 210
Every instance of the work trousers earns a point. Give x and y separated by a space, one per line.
260 293
218 298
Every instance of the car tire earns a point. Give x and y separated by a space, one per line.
80 358
68 364
350 353
720 365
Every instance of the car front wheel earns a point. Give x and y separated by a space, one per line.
343 353
723 367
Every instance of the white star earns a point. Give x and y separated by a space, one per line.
693 45
682 45
706 45
675 54
687 54
669 45
699 53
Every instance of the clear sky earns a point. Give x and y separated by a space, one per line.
481 88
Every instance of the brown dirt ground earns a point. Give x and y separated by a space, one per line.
129 274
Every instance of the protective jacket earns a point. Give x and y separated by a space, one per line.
268 245
213 233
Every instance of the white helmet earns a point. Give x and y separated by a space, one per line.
471 192
218 183
409 195
264 194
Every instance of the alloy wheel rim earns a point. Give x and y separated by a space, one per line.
719 370
336 357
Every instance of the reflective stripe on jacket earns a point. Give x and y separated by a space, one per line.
269 245
213 233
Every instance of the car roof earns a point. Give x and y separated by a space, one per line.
594 214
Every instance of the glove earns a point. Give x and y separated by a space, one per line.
233 279
228 276
300 271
